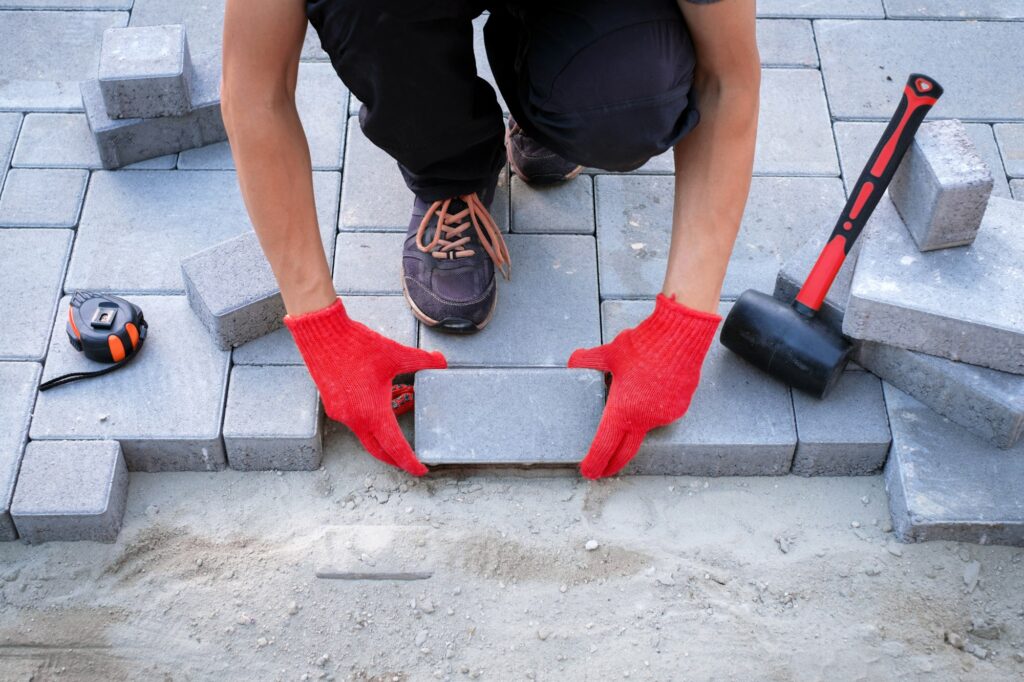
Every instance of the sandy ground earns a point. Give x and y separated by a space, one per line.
770 579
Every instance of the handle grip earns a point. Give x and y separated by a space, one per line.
919 95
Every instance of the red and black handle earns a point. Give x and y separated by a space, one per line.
919 95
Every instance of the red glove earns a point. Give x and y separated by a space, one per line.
353 367
655 369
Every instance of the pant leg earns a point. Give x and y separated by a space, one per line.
412 66
602 83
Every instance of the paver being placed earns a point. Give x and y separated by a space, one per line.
987 403
786 42
963 304
740 422
65 141
145 71
566 208
794 129
42 197
816 9
19 380
32 266
46 54
70 490
1011 143
179 378
846 434
137 227
368 263
941 187
634 224
954 9
10 123
945 484
556 415
547 310
359 552
866 63
273 420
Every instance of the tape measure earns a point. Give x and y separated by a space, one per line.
106 329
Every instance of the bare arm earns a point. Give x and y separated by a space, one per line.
262 46
714 162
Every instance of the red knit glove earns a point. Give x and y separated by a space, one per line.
353 367
655 369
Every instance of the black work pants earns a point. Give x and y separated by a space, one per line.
603 83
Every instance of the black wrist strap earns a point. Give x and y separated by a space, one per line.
75 376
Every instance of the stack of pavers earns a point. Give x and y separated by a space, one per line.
935 304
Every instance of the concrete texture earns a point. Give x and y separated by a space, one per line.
786 42
548 309
1010 137
145 71
945 484
1017 187
547 416
70 490
565 208
941 187
203 21
164 406
794 135
19 380
963 304
816 9
987 403
32 266
273 420
845 435
368 263
42 197
10 124
954 9
65 141
392 552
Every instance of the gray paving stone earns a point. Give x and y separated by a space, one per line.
963 304
794 129
740 422
65 141
137 227
360 552
32 266
66 4
483 66
70 490
164 407
1011 145
273 420
987 403
954 9
786 42
941 187
866 63
368 263
42 197
554 415
566 208
387 315
945 484
547 310
35 75
634 221
1017 188
10 124
145 71
311 50
203 21
845 435
19 380
815 9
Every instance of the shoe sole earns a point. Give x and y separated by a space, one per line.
523 176
440 324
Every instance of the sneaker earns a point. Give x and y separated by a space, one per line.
533 162
451 252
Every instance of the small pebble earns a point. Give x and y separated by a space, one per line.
591 545
293 608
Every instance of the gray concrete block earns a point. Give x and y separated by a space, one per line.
963 304
42 197
32 266
46 54
941 187
846 434
816 9
634 225
954 9
565 208
70 490
1017 188
311 50
65 141
203 22
1011 145
387 315
66 4
866 63
273 420
368 263
10 124
19 380
740 422
557 414
359 552
137 227
987 403
145 71
794 131
786 42
945 484
164 407
547 310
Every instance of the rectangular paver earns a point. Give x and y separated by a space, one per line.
32 264
19 380
740 422
65 141
164 406
945 484
548 416
548 309
954 9
1010 137
1017 188
273 420
70 490
42 197
145 71
368 263
815 9
963 304
10 124
66 4
786 42
564 208
794 134
359 552
203 21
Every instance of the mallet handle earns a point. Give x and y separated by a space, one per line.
919 95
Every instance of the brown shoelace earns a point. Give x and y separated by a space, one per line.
450 242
